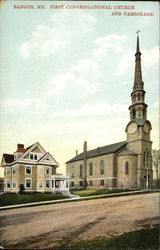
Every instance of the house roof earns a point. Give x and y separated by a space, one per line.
8 158
108 149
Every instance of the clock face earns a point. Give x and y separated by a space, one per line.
132 128
146 128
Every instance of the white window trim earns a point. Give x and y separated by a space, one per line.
49 183
26 169
31 183
39 155
46 170
39 182
15 170
6 184
10 171
13 182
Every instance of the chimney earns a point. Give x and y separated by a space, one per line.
85 165
20 148
76 152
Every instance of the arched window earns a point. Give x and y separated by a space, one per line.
146 158
91 168
127 168
102 167
80 170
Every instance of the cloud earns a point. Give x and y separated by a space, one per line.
111 44
24 104
47 40
84 75
149 59
98 109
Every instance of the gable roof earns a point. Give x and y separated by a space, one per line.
8 158
108 149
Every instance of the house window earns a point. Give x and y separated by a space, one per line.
127 168
102 182
47 170
72 174
14 183
91 168
35 157
40 184
47 184
28 183
8 171
90 183
31 156
80 171
81 183
40 170
102 167
72 183
28 170
8 183
14 170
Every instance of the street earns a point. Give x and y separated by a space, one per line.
50 226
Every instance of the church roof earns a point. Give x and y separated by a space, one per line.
108 149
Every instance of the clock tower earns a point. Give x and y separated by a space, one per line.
138 129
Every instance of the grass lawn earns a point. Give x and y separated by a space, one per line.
90 192
14 199
147 239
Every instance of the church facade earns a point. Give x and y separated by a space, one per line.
126 164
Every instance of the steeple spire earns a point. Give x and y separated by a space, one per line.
138 83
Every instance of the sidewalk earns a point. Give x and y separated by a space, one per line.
76 198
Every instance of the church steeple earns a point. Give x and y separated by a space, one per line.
138 83
138 109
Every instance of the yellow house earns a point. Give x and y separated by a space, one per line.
34 168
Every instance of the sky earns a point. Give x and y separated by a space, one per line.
66 75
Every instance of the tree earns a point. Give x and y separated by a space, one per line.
156 163
21 188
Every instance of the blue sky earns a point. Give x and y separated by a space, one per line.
66 75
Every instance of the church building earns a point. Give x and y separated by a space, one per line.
126 164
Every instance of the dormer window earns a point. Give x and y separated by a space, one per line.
31 156
34 156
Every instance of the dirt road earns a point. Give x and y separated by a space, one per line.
54 225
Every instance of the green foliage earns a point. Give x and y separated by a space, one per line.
91 192
13 198
147 239
21 188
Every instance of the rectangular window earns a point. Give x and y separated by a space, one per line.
72 183
28 170
14 170
8 171
28 183
81 183
14 183
8 183
40 184
47 183
35 157
90 183
47 170
31 156
40 170
102 183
